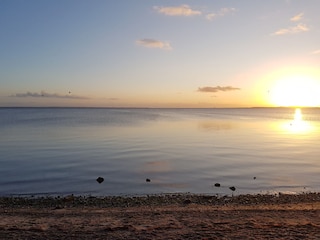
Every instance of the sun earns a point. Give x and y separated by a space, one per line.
295 91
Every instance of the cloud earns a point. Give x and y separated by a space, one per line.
44 94
316 52
292 30
211 16
217 89
152 43
296 18
183 10
222 12
186 10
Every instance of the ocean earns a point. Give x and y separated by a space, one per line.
62 151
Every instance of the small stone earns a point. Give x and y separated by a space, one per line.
187 201
148 180
254 178
232 188
217 184
100 179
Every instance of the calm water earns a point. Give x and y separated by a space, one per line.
63 150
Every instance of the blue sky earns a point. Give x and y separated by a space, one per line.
158 53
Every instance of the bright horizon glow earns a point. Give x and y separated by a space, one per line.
296 91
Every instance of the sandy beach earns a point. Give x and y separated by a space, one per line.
181 216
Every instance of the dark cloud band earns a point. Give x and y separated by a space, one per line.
217 89
44 94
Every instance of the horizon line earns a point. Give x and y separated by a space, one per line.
158 107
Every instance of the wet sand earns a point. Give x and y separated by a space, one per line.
162 217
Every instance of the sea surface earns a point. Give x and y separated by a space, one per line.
61 151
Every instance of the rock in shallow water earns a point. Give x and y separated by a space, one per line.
217 184
100 179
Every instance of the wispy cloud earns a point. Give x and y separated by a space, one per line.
153 43
186 10
297 17
221 13
217 89
183 10
211 16
299 28
44 94
315 52
292 30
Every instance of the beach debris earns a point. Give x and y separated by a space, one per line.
148 180
217 185
100 179
232 188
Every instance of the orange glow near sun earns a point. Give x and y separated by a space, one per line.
302 91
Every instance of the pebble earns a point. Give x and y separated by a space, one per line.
148 180
232 188
217 184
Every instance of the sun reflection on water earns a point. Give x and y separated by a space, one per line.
298 125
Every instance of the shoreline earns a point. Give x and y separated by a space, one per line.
73 201
174 216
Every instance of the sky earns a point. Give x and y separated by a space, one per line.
152 53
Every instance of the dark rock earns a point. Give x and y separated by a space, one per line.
254 178
217 184
148 180
232 188
100 179
187 201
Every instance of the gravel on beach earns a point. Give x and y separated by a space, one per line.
167 216
154 200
